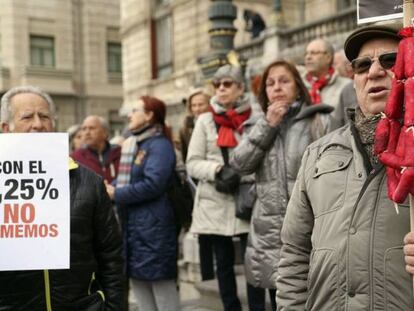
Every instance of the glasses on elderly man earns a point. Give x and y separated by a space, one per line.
226 83
362 64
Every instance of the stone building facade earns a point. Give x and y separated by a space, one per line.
71 49
163 41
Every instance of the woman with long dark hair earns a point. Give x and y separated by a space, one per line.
147 217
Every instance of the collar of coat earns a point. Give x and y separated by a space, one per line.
308 111
72 164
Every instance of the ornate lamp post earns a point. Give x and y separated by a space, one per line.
221 13
277 18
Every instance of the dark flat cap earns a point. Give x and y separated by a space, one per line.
360 36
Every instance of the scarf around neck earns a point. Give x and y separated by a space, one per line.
130 149
317 84
229 120
366 129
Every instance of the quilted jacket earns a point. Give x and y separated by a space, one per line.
149 227
274 155
342 238
94 281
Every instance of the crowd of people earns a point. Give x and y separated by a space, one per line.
295 180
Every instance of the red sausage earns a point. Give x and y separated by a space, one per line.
409 101
394 106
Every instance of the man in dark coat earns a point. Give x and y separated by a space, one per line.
94 280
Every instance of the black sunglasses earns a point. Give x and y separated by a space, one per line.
362 64
226 83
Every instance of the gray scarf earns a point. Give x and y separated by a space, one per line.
366 129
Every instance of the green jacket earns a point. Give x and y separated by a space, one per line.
342 238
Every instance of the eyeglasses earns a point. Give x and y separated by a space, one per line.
362 64
227 84
313 53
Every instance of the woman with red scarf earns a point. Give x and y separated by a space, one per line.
216 134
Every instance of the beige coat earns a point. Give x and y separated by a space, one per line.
342 239
214 212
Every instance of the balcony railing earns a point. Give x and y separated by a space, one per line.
342 22
292 41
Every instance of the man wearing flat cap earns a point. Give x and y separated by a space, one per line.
342 239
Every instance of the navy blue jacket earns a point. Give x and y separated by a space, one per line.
148 218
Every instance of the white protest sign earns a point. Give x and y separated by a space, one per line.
34 201
369 11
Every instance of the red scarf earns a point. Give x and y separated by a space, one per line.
318 84
229 121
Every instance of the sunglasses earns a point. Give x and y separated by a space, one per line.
227 84
362 64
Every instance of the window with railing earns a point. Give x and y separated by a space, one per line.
42 51
114 57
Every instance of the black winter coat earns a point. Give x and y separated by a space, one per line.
94 280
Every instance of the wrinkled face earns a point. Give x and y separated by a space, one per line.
228 91
30 113
281 86
94 134
138 117
198 104
317 58
373 86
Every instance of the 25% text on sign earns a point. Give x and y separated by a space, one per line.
25 189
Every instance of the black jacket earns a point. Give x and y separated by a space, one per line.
94 280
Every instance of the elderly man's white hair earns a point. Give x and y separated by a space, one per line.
6 112
102 121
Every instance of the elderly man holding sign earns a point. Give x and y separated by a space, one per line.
342 238
94 280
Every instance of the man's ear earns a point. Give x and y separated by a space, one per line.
5 127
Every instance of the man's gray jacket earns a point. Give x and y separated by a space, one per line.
342 238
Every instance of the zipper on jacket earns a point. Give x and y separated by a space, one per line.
101 293
47 290
371 243
372 174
